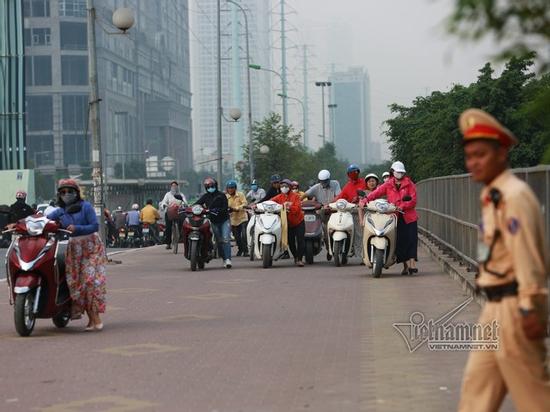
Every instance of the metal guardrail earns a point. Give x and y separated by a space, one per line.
449 209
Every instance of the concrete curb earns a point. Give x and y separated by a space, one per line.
453 268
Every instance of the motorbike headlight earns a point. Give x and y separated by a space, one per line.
197 210
341 205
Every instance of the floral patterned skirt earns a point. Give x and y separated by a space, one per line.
85 267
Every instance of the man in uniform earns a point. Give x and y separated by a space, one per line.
512 275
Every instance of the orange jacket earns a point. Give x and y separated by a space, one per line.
295 214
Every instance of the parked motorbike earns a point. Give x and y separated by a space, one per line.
35 263
267 232
379 235
314 229
340 230
197 237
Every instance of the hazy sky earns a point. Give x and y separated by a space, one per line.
402 43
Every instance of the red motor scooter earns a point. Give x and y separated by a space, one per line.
35 266
197 237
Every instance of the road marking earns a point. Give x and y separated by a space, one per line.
186 317
132 290
233 281
109 403
213 296
141 349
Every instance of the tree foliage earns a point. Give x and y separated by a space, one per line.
522 25
287 156
425 136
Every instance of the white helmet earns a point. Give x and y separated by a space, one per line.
367 177
323 175
398 167
385 174
135 206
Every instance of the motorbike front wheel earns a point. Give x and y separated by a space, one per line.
337 252
23 315
266 256
378 263
61 319
193 255
309 252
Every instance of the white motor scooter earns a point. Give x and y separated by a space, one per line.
341 230
266 232
379 235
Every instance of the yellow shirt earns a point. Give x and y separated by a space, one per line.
149 215
237 202
519 252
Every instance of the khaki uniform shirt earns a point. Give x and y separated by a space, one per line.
519 253
237 202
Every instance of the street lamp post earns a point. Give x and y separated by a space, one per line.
123 19
220 109
250 140
303 109
322 85
258 67
332 107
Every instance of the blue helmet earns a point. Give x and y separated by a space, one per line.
353 168
231 184
275 179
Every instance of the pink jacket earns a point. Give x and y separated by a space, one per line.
395 196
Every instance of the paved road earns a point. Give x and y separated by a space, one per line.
247 339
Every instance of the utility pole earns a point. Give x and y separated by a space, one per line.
220 109
283 60
305 98
236 88
97 172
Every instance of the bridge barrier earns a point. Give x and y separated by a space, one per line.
449 209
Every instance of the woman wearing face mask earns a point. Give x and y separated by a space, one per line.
85 257
399 187
296 224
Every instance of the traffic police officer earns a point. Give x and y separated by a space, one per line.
512 274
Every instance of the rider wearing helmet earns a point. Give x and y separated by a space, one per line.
216 202
20 209
295 187
385 177
239 218
133 221
371 181
324 192
274 190
256 193
355 183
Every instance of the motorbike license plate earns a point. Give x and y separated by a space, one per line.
130 234
310 218
161 233
145 230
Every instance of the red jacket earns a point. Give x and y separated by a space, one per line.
349 192
395 196
295 214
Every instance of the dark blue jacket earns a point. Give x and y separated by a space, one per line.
84 221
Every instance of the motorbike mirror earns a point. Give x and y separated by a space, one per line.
407 198
361 193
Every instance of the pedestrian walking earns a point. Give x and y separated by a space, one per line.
239 217
85 257
513 267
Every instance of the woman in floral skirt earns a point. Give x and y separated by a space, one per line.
85 257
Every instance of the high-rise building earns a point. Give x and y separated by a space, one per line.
12 91
234 85
351 121
143 76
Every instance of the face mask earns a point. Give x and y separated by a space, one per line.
325 183
211 189
295 190
285 190
398 175
254 188
68 198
